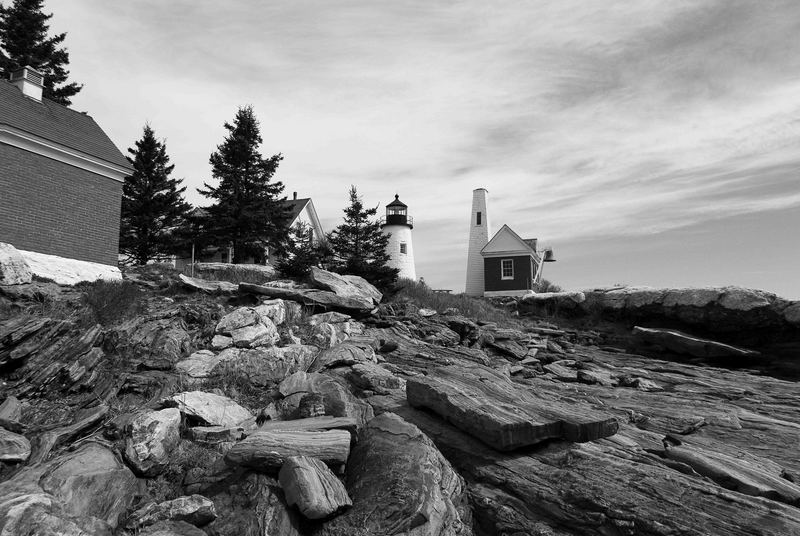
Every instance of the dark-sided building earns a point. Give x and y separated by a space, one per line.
510 264
60 176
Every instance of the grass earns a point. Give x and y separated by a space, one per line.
188 455
424 297
111 302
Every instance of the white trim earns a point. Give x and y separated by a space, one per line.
30 142
502 270
312 212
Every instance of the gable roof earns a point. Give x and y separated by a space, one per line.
57 124
295 207
507 242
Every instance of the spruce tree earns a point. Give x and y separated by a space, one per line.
247 212
153 209
303 252
359 245
24 41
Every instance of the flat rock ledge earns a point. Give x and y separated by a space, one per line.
487 405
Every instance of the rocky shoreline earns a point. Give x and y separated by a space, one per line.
322 410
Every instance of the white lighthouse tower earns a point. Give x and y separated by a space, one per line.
478 238
398 224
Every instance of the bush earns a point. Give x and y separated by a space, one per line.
111 301
423 296
546 286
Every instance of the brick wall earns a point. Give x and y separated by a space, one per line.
50 207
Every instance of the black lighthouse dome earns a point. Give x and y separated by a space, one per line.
397 213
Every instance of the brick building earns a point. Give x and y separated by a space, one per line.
60 176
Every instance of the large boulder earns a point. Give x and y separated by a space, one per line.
14 447
81 493
13 268
311 297
265 366
209 408
309 485
251 504
343 354
352 287
268 450
194 509
683 343
152 437
400 483
337 399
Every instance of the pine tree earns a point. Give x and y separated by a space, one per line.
153 209
359 246
303 252
24 41
248 212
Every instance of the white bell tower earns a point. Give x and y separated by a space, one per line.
478 238
401 251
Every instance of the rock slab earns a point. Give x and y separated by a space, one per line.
151 439
270 449
488 406
309 485
13 268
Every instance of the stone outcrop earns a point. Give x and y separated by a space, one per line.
347 286
493 409
194 509
13 268
337 399
82 492
396 466
152 437
309 485
210 408
311 297
682 343
14 448
265 367
210 287
268 450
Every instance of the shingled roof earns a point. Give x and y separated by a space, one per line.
57 124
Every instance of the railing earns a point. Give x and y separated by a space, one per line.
397 219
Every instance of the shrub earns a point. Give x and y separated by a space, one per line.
111 301
423 296
546 286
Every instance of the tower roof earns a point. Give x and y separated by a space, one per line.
397 202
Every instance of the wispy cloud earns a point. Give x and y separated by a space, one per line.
582 118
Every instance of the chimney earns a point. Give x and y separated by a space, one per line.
29 81
294 196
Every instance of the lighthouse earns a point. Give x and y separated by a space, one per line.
398 225
478 238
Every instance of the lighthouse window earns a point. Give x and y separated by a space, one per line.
507 268
403 248
478 219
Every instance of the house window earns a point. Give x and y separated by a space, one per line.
507 269
478 219
403 248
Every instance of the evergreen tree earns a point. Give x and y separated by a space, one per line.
24 41
303 252
247 211
359 246
153 209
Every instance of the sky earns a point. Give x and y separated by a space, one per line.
647 142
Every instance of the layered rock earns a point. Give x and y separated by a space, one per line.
399 482
268 450
311 297
347 286
309 485
210 408
194 509
152 437
490 407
